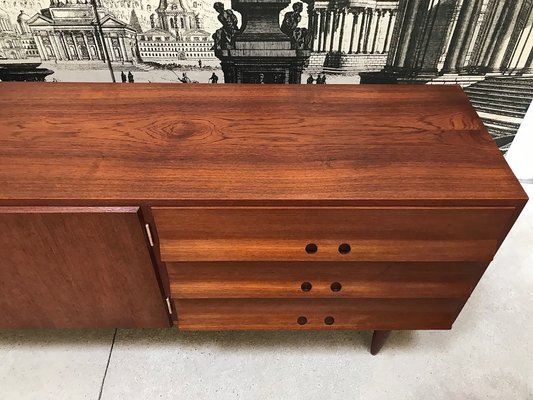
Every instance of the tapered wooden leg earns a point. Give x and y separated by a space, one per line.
378 340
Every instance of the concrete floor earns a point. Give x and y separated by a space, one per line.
487 355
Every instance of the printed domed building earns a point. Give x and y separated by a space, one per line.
177 34
26 35
176 16
11 47
65 31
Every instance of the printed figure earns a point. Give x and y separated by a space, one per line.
321 79
299 36
224 37
123 77
310 80
130 77
200 63
184 78
214 78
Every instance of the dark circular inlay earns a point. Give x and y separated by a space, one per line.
344 248
301 320
311 248
306 286
329 320
336 287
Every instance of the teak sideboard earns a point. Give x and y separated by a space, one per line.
213 207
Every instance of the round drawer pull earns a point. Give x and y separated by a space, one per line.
302 320
344 248
306 286
329 320
336 287
311 248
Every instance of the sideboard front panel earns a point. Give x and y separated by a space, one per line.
77 268
353 234
237 314
331 280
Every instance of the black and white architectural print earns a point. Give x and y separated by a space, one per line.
484 45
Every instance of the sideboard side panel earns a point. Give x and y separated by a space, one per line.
76 268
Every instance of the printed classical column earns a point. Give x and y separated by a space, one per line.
355 16
123 48
515 38
377 41
494 24
320 29
99 51
334 21
508 23
526 51
462 36
326 29
483 33
405 41
86 45
63 42
376 30
341 34
107 44
369 27
528 66
40 47
110 49
347 30
314 29
75 45
59 45
361 32
390 24
57 54
395 34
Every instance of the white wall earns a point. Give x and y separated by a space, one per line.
520 154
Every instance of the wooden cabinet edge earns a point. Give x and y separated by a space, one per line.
67 209
146 219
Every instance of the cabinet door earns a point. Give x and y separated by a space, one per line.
77 268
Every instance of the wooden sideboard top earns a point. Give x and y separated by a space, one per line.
92 144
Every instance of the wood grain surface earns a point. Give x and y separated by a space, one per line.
308 280
237 314
373 233
235 181
62 144
62 269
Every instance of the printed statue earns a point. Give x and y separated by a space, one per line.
300 37
224 37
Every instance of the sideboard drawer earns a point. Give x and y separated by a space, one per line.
330 234
267 314
322 280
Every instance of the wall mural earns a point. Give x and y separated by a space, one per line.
484 45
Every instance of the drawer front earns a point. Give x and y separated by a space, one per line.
322 280
273 314
330 234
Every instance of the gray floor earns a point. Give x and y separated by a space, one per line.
487 355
